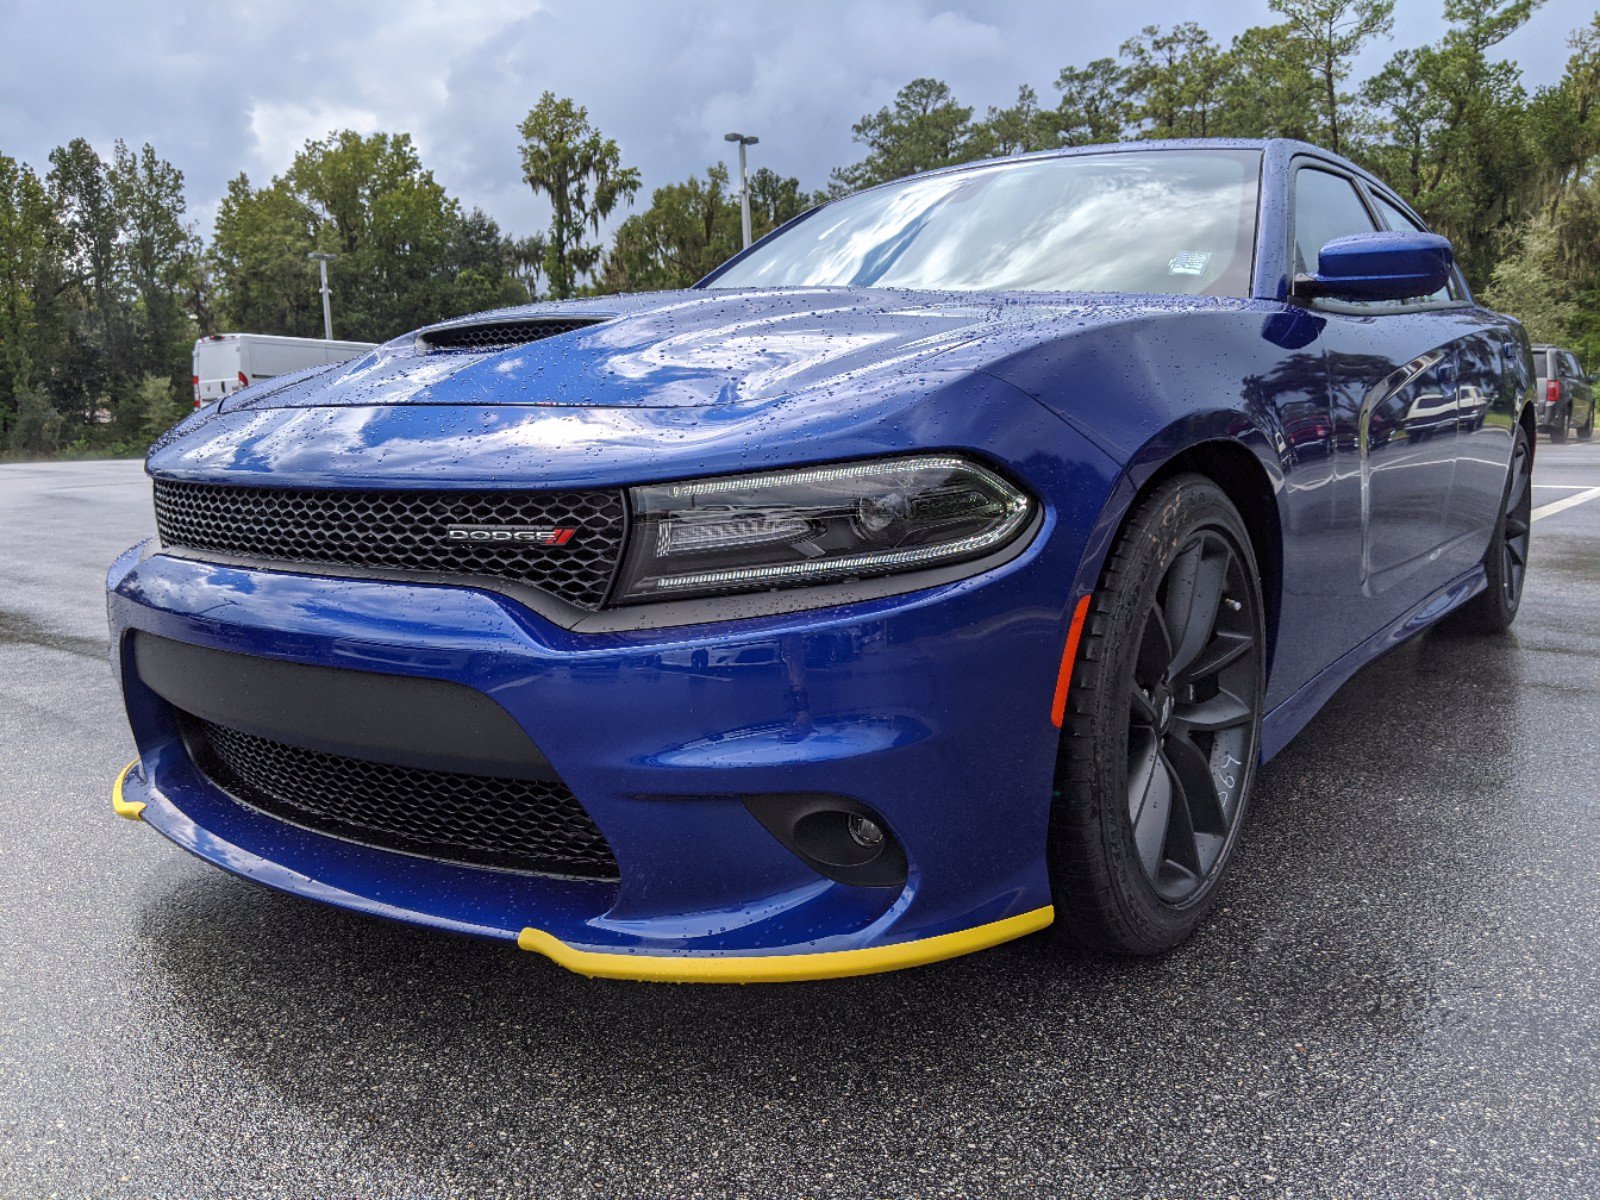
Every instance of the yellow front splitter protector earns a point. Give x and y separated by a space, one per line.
119 804
783 968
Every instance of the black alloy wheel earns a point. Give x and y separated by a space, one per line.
1162 727
1190 717
1505 562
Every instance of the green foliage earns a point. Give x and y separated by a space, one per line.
694 226
1094 105
1331 33
35 425
1173 79
157 407
567 160
406 253
1527 282
923 130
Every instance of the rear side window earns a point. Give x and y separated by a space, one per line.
1400 221
1326 206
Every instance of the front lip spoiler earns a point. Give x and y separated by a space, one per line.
123 807
780 967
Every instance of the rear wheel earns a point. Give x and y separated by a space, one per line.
1558 428
1506 561
1587 431
1162 728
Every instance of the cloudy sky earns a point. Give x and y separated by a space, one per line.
219 86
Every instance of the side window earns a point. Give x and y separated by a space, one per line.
1326 206
1573 371
1400 221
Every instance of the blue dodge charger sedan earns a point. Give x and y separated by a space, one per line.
938 570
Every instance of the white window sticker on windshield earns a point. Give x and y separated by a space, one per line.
1190 262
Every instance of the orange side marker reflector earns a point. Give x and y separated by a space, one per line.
1058 707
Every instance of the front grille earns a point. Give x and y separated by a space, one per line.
487 336
404 530
515 823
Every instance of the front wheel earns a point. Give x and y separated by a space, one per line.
1587 431
1162 725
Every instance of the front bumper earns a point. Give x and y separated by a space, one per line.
933 708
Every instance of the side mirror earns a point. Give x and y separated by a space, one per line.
1380 266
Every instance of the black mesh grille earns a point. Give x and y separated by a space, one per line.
514 823
496 335
405 531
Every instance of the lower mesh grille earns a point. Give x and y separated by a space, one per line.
515 823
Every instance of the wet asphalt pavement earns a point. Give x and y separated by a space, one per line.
1398 997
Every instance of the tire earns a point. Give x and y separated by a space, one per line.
1587 431
1143 729
1505 562
1558 429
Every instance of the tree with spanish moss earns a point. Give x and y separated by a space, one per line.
580 172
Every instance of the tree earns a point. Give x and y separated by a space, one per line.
1527 284
1171 80
924 129
33 284
580 171
1333 31
1023 127
1094 105
157 406
693 227
98 354
407 254
1268 87
159 256
689 228
776 200
1458 122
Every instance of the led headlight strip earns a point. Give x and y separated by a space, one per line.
959 548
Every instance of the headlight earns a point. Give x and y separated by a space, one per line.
778 529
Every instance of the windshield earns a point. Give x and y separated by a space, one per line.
1149 221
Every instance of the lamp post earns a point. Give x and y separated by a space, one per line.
744 179
327 302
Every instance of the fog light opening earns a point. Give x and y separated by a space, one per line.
837 836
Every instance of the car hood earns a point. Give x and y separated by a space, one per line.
661 350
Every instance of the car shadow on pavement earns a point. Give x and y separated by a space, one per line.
1344 935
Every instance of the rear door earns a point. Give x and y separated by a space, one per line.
216 368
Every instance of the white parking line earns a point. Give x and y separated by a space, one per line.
1555 506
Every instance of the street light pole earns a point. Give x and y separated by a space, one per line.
744 179
327 296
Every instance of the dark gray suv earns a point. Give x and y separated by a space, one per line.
1565 399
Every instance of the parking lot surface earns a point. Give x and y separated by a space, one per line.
1399 995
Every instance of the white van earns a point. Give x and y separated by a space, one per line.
226 362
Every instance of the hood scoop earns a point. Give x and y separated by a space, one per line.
487 337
